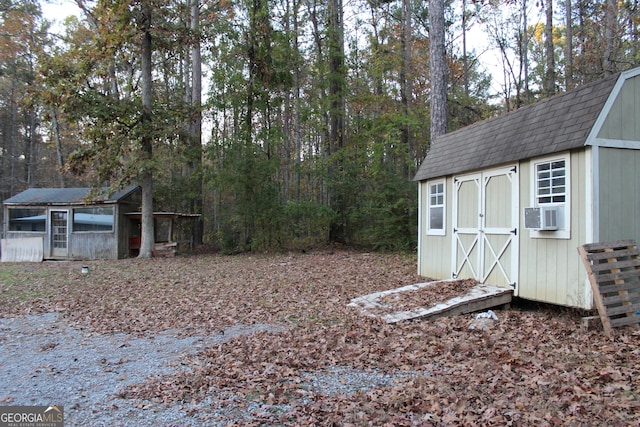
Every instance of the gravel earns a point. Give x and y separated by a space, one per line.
46 361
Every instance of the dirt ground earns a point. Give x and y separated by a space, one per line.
535 366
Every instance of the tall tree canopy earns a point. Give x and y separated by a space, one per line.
285 123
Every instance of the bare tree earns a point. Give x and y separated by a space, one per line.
525 52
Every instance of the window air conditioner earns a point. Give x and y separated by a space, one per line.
542 218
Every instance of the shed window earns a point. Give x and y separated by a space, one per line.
551 189
93 219
436 208
27 220
551 182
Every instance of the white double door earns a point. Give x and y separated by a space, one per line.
485 227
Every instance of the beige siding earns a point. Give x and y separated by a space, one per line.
627 104
434 251
619 204
550 268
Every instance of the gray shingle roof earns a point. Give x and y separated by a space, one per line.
63 196
556 124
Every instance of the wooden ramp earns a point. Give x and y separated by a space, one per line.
479 297
613 269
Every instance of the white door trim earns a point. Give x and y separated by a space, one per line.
59 230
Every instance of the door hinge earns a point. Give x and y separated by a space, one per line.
454 276
514 169
455 230
514 231
513 285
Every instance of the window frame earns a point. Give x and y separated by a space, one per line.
34 212
86 208
564 231
440 192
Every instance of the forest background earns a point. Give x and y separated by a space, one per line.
285 123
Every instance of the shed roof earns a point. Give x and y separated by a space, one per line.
556 124
65 196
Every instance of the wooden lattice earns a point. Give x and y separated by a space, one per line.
614 273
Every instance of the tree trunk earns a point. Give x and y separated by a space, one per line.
633 25
297 131
148 234
31 153
406 82
465 60
550 72
196 126
568 54
608 63
335 41
14 154
56 138
525 52
336 76
437 69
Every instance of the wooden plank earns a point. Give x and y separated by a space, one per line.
618 299
633 262
613 253
614 288
592 247
625 321
613 270
480 297
619 275
623 309
479 305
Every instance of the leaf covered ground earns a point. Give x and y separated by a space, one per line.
536 366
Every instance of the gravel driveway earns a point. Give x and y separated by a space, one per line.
46 361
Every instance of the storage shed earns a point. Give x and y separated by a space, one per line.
63 223
508 200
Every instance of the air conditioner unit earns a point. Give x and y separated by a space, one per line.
542 218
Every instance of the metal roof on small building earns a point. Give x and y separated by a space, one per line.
65 196
556 124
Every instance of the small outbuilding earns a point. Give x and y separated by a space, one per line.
68 223
507 201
